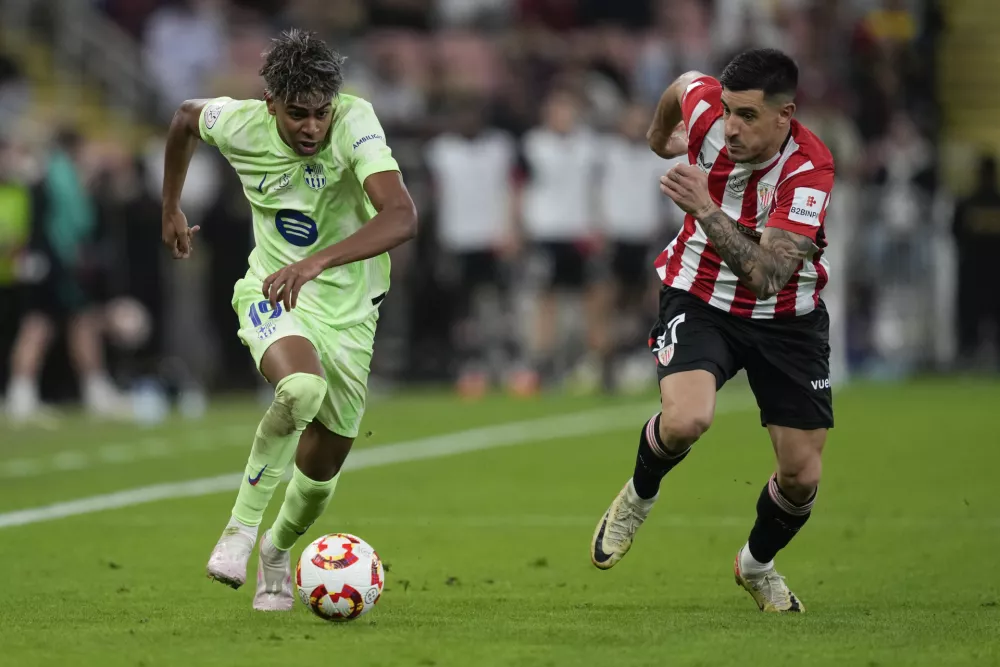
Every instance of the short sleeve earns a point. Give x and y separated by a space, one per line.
362 140
801 202
701 104
215 123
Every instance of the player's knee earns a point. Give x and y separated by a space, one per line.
680 431
800 482
301 395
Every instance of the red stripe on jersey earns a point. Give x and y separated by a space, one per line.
675 261
745 299
711 260
786 297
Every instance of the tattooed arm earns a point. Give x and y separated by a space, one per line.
764 268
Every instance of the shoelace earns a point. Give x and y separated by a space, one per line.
623 525
772 586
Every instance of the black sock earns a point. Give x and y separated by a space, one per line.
653 462
778 520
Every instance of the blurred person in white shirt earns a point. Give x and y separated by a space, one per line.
634 215
472 167
559 220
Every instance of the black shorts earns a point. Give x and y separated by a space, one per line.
629 264
787 360
477 268
567 264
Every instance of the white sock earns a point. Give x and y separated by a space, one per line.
750 565
98 390
635 499
242 527
22 396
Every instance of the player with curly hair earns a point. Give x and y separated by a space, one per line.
328 204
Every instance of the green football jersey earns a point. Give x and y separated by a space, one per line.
303 204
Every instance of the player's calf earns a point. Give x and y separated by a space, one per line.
783 508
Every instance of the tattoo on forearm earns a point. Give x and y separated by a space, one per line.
764 268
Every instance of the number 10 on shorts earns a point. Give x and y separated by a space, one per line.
664 351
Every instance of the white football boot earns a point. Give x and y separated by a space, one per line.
274 578
768 589
616 529
228 562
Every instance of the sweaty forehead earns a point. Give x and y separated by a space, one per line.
743 99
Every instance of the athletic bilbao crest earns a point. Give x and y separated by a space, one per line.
663 350
765 197
314 176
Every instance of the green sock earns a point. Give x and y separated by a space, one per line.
305 501
296 401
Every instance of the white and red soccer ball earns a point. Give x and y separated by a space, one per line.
339 577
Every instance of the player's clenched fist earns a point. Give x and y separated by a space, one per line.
177 235
284 285
687 185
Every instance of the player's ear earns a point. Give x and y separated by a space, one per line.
785 113
270 103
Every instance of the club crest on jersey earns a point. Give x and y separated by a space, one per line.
314 176
765 197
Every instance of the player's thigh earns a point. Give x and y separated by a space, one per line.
788 366
278 341
346 356
694 359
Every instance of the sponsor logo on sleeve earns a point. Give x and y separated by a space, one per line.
807 204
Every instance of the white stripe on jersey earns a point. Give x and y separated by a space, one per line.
724 291
806 166
699 109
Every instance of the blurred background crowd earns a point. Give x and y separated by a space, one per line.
519 126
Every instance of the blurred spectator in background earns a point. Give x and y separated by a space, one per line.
633 212
472 169
559 219
977 234
184 43
58 276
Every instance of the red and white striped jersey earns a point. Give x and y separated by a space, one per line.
790 191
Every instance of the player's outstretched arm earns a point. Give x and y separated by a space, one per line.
666 135
764 268
182 139
394 224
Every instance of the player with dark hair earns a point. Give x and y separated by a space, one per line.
328 204
741 290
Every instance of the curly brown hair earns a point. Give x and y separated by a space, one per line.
300 66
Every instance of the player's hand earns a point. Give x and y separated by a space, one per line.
687 185
677 143
177 236
284 285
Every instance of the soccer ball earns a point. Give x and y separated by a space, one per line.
339 577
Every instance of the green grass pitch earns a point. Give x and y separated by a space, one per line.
488 550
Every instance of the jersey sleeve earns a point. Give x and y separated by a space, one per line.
701 103
801 202
220 119
362 141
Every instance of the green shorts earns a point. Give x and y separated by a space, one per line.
345 354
